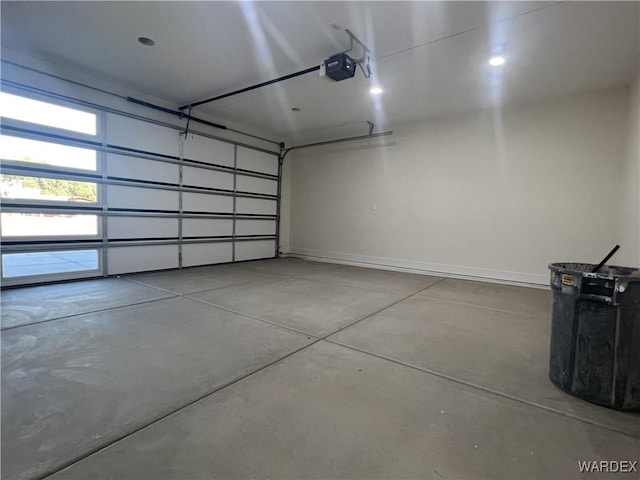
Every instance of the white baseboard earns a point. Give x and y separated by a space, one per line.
425 268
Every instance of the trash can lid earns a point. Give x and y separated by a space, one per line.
606 271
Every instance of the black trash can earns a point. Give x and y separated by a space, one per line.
595 334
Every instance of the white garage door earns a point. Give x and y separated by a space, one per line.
89 192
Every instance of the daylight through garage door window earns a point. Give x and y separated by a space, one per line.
49 190
47 114
47 153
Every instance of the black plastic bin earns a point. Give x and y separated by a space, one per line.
595 334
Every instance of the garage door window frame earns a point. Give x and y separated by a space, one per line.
100 144
38 250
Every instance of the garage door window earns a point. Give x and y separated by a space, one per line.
49 263
47 114
49 191
48 224
47 153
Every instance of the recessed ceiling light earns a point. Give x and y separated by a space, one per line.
146 41
376 90
295 109
497 60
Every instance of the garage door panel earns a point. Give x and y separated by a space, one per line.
206 253
142 198
142 258
249 159
203 149
140 135
200 202
257 185
256 206
200 177
257 249
142 227
255 227
194 227
142 169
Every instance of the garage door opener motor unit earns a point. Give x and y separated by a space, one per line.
338 67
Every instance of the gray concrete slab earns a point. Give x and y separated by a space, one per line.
331 412
385 280
530 301
284 266
317 308
198 279
22 306
500 351
73 385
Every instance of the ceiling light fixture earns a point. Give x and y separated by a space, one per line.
146 41
497 60
376 90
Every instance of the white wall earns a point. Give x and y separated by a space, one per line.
484 194
630 207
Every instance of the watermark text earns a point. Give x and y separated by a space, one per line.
608 466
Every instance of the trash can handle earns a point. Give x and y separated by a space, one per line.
604 260
596 298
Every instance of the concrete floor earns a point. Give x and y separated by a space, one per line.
291 369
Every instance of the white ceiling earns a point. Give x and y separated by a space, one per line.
430 57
